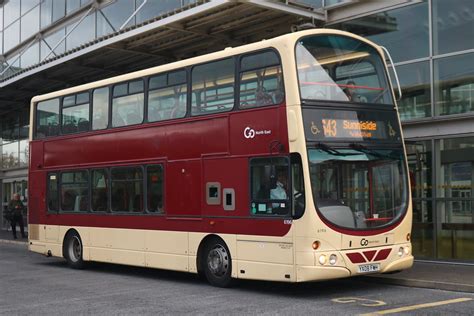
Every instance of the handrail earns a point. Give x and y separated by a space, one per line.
394 71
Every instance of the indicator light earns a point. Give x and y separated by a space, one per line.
316 244
408 237
332 259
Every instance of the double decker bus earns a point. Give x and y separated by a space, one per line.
280 160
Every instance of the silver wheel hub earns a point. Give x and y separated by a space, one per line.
218 261
75 249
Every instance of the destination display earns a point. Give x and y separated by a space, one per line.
356 125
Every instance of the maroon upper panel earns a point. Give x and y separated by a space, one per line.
194 151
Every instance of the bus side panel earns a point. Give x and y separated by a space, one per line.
259 131
230 173
183 190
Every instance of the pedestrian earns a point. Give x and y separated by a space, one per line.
16 210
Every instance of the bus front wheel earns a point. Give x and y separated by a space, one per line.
73 250
217 263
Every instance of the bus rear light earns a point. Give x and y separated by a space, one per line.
408 237
316 244
322 259
332 259
400 251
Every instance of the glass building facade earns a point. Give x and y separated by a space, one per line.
430 41
433 49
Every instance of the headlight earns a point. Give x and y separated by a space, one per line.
322 259
400 251
407 250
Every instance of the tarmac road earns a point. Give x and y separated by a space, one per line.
32 284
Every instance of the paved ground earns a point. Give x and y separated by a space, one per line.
33 284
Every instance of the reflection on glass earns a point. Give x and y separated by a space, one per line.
155 8
454 84
30 23
72 5
24 153
100 108
127 110
456 196
11 11
154 188
10 155
415 84
115 15
213 87
27 5
12 36
422 237
52 41
127 189
397 30
456 237
74 191
359 189
75 119
59 9
46 13
47 118
30 56
420 168
10 128
452 22
83 33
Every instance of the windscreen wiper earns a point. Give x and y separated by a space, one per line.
332 151
366 150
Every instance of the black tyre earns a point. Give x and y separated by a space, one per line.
217 263
73 251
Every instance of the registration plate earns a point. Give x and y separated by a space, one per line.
368 268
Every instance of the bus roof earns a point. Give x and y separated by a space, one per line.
277 42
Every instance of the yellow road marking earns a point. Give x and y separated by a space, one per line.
413 307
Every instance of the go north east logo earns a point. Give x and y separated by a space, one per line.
250 133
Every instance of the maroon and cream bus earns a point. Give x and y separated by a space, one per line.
280 160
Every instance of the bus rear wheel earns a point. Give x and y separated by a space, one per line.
217 263
73 251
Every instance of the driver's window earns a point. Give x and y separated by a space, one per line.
270 187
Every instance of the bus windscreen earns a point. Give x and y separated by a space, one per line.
343 69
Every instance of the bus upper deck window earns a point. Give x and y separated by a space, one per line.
47 118
213 87
261 80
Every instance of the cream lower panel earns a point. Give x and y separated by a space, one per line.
311 273
115 238
166 242
43 248
269 252
167 261
265 271
51 232
119 256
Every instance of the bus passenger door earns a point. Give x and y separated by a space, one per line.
183 191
